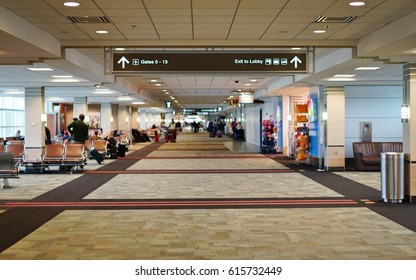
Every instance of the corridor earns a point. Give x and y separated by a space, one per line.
206 199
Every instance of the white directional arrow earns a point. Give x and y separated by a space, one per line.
123 62
296 60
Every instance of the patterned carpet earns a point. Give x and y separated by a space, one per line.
199 198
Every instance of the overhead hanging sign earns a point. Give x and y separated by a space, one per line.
131 62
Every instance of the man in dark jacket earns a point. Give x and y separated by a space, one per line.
78 130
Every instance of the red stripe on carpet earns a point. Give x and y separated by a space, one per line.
182 171
179 203
191 157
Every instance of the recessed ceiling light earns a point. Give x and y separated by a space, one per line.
153 81
62 77
344 76
124 98
65 80
39 69
248 84
101 31
367 68
13 91
253 80
103 91
296 48
139 103
120 49
341 79
357 3
158 85
319 31
71 4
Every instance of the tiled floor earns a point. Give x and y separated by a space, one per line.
312 220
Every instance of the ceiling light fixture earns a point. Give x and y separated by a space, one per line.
55 99
39 69
319 31
101 31
65 81
13 91
367 68
357 3
124 98
71 4
341 79
344 76
62 77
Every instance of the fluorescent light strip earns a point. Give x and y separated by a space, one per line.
40 69
65 81
344 76
341 79
62 76
367 68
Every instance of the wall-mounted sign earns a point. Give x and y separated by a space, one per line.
168 104
209 62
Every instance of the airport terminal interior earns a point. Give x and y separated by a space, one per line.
217 130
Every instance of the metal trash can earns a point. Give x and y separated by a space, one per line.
392 177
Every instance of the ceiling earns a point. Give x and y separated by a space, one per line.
45 33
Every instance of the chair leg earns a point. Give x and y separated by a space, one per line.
5 183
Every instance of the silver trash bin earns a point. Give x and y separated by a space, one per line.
392 177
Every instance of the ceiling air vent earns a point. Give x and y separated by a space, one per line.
89 19
324 19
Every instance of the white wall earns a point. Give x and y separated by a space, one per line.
252 119
252 124
379 105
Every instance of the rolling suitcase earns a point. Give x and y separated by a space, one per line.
121 152
97 156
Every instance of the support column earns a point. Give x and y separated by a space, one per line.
105 113
134 118
409 129
335 128
80 106
35 128
121 118
287 128
142 119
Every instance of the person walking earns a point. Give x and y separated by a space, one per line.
78 130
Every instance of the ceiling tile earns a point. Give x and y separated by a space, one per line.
217 4
25 4
163 4
36 13
169 12
213 12
249 4
123 4
125 12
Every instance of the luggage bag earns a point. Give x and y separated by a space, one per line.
96 155
121 152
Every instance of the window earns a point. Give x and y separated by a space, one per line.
12 115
